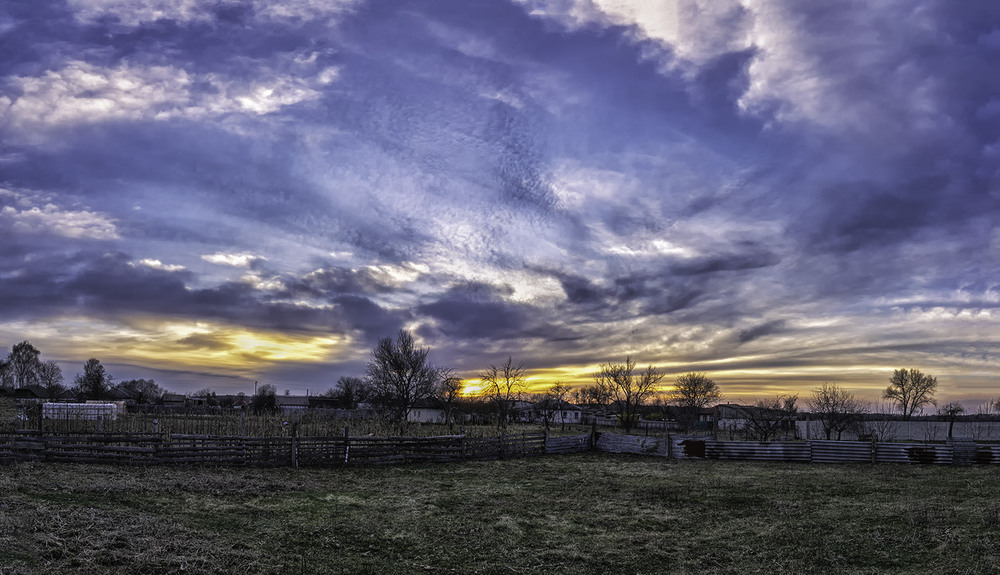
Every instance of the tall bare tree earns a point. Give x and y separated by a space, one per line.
349 391
94 382
628 389
556 395
50 376
766 419
24 364
503 387
838 409
691 393
910 390
399 375
598 395
449 390
146 391
950 412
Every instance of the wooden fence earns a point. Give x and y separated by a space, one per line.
161 449
334 451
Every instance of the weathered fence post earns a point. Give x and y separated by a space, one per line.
243 421
545 446
156 425
463 447
593 434
347 445
100 423
295 447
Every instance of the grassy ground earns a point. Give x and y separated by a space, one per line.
588 513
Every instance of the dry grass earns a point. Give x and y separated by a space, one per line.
589 513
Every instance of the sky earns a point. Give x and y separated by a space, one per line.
773 192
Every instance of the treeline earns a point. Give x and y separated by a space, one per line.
399 377
23 367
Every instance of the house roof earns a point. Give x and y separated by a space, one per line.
554 404
292 400
36 391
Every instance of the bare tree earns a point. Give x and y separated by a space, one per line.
50 376
94 382
556 395
950 411
838 409
878 425
146 391
595 396
449 390
399 375
349 391
910 390
265 400
692 392
6 374
629 391
24 364
503 387
766 419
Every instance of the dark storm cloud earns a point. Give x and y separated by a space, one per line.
762 330
110 285
476 311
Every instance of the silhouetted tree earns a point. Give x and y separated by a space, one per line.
50 376
349 391
629 391
837 408
910 390
265 400
502 387
950 412
449 390
768 418
691 393
595 396
556 395
24 364
398 376
146 391
94 382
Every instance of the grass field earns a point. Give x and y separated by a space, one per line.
587 513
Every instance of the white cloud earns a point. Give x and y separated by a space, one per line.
137 12
81 92
241 260
158 265
49 218
849 70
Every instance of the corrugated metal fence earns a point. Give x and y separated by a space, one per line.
822 451
956 452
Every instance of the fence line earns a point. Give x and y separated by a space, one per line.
163 449
341 450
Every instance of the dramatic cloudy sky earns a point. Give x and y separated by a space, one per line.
776 192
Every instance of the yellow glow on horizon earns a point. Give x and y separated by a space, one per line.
200 345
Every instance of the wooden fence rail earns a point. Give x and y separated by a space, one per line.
154 449
334 451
